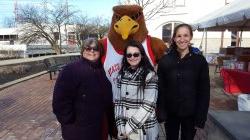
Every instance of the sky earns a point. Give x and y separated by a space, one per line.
91 8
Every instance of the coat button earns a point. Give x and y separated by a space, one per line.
127 93
84 95
127 108
178 76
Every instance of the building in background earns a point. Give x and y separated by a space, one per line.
11 47
190 11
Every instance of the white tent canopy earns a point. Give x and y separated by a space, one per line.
234 16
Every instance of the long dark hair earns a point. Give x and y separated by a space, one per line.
173 43
144 63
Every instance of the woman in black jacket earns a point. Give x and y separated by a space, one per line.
83 97
184 87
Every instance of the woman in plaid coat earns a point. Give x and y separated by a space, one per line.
135 102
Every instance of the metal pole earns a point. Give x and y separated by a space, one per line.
240 38
222 39
206 41
201 44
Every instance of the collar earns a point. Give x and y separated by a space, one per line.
95 65
176 53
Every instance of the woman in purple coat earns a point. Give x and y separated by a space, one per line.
83 96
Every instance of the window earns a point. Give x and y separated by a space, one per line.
6 37
13 37
167 31
71 38
11 42
176 24
56 35
233 38
71 35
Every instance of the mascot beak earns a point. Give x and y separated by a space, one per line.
126 26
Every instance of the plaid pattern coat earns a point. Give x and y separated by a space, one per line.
135 107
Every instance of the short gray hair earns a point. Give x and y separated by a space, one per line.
87 42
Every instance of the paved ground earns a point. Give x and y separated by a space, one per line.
220 100
26 113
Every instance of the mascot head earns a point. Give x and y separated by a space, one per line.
127 23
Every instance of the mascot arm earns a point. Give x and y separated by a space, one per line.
101 44
159 48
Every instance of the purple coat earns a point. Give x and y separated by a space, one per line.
82 95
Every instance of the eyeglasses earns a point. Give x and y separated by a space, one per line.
88 49
129 55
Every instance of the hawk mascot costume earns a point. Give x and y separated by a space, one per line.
127 23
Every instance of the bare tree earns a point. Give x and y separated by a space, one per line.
101 26
36 25
152 8
60 16
85 27
82 28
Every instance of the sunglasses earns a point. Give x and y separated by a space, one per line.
129 55
88 49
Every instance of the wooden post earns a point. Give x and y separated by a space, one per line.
237 39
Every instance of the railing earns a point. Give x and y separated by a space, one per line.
11 54
23 51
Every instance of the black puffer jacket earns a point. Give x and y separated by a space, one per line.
184 87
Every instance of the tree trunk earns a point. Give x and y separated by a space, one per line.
57 49
60 37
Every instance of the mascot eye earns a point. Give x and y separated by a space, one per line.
117 17
135 17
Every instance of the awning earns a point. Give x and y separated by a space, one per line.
234 17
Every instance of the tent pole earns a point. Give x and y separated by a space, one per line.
222 39
200 47
205 41
240 38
